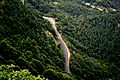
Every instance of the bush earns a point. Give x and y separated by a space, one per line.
7 72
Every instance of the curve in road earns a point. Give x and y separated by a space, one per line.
63 44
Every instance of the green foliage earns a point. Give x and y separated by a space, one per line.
52 74
92 37
7 72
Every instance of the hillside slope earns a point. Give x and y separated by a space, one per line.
28 41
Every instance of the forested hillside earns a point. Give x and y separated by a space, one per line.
29 47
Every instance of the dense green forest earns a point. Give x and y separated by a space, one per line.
29 49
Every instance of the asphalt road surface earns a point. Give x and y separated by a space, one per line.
63 44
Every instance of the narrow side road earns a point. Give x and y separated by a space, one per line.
63 44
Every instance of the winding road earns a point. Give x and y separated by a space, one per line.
63 44
23 1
